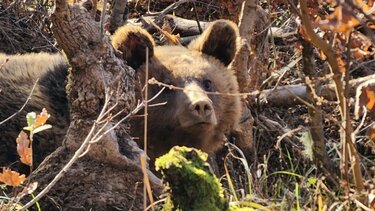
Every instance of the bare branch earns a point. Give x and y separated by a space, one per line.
91 138
23 106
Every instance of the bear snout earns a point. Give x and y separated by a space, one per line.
198 108
202 108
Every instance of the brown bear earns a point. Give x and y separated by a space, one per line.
18 74
195 115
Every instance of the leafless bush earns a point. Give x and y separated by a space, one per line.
24 26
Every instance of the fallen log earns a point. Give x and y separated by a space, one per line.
291 95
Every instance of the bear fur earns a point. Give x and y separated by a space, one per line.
18 74
189 116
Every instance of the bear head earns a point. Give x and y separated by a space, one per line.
203 105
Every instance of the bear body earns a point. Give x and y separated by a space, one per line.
18 74
192 115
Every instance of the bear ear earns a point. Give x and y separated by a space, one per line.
132 41
218 40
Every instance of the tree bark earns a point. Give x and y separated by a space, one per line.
250 66
118 16
106 177
320 155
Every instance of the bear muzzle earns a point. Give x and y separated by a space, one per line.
198 108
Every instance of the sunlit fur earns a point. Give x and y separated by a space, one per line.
206 58
180 66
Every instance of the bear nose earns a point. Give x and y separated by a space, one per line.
202 107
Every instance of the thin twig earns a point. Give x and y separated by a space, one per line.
169 8
349 152
165 33
287 134
361 65
23 106
197 18
154 81
136 110
155 203
285 69
102 18
362 121
77 155
145 178
83 148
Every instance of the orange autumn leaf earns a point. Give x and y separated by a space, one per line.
11 178
371 99
370 25
360 54
371 133
365 99
339 21
41 119
23 148
341 64
364 6
360 46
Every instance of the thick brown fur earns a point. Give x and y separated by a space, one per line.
130 41
18 73
190 116
205 59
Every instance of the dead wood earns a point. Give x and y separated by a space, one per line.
250 65
291 95
118 16
96 74
320 155
348 152
189 30
181 26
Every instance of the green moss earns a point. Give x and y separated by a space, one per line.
190 184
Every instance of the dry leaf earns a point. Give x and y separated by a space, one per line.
41 119
28 189
11 178
341 64
361 46
364 6
340 20
370 94
24 149
371 132
365 99
303 33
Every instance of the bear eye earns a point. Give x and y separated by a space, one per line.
207 85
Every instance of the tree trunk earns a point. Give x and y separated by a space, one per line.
320 155
108 176
250 66
118 16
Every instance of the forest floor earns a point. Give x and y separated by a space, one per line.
282 175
